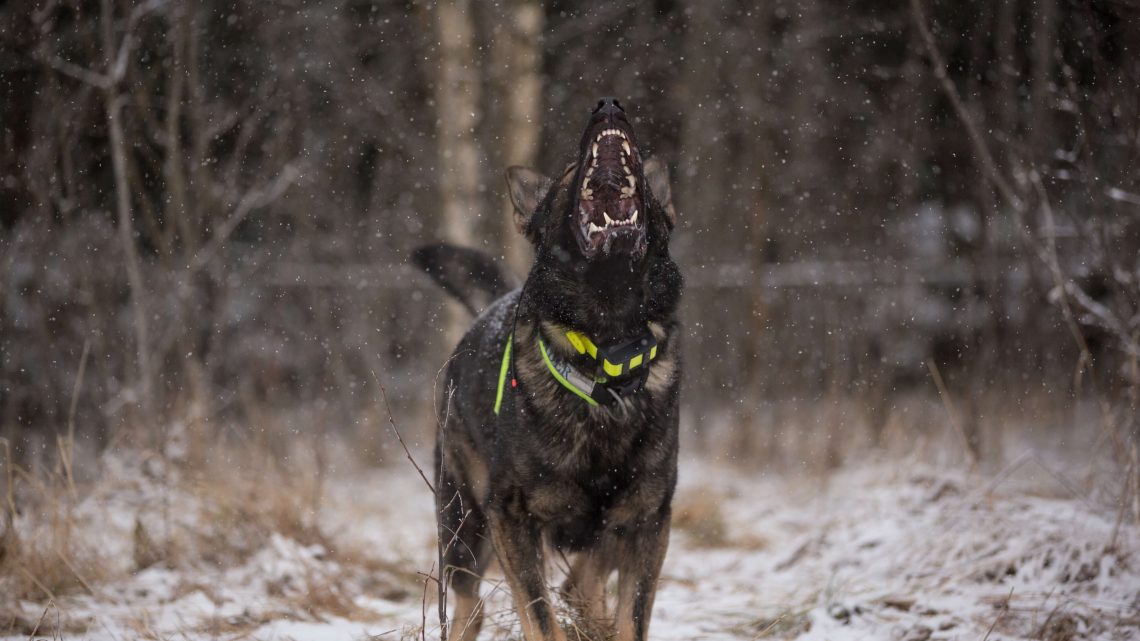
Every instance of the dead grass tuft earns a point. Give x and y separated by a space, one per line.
42 554
216 506
698 514
786 624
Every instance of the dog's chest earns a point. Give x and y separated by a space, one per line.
578 504
575 514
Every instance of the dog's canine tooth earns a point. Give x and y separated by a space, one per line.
609 221
633 218
625 147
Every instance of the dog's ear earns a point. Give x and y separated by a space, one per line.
657 175
527 188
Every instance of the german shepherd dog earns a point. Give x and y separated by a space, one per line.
560 431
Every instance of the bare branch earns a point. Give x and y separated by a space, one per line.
81 74
253 199
981 147
392 421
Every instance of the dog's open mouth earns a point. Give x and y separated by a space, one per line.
611 207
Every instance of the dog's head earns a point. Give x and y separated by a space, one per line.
608 204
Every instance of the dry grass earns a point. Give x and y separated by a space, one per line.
213 504
49 558
698 515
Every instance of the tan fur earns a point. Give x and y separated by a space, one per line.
467 619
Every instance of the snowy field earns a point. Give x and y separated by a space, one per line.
874 551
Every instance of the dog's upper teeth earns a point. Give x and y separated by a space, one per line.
631 180
594 151
625 146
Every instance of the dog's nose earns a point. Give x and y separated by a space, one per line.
608 106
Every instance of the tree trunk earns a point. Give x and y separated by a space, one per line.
457 91
519 62
145 374
1044 42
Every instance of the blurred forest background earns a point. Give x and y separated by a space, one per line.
206 208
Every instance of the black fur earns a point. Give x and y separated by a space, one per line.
471 276
550 468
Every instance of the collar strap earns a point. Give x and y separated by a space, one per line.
618 359
612 380
581 385
503 367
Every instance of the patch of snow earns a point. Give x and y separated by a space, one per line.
875 551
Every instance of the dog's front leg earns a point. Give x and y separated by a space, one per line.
519 546
638 570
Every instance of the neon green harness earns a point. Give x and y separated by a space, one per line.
612 363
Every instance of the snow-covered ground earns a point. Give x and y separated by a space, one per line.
874 551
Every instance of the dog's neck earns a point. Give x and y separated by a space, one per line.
608 300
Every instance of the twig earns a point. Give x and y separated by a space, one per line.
392 421
423 607
47 591
455 537
36 627
948 403
75 389
441 550
1054 265
76 72
67 449
771 626
979 142
252 201
1128 480
1004 608
74 571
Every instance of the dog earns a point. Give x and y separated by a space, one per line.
559 433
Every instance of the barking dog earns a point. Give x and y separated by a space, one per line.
561 431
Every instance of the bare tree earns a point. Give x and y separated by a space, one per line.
517 70
457 93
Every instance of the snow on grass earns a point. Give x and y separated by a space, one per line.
874 551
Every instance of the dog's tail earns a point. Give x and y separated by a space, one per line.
471 276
